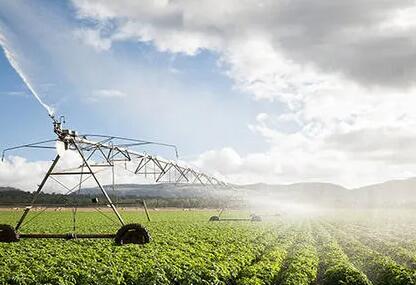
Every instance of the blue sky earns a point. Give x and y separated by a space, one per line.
251 91
195 106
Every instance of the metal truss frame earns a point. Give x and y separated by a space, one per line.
107 151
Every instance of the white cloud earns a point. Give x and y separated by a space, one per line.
100 95
223 161
16 171
344 71
108 93
401 19
93 38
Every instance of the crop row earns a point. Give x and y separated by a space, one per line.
384 245
334 265
265 268
380 269
301 265
182 252
187 249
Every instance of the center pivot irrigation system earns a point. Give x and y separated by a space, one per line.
97 153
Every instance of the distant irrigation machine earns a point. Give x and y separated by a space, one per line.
98 152
253 217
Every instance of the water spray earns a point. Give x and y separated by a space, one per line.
12 58
108 151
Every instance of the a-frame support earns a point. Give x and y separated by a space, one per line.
36 195
50 172
99 185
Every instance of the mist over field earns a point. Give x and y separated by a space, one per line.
394 194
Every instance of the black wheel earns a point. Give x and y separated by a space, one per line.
8 234
255 218
132 233
214 219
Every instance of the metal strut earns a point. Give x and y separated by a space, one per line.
99 185
36 195
50 173
108 150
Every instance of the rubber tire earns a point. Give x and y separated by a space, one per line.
8 234
132 233
255 218
214 219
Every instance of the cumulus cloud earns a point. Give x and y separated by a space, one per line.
344 70
371 43
92 37
102 94
224 161
18 172
109 93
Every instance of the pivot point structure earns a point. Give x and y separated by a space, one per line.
99 152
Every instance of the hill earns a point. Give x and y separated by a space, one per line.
394 193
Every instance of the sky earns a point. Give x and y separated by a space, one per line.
250 91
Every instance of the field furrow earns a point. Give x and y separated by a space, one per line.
187 250
301 264
379 269
266 267
334 265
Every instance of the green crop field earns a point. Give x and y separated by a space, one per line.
343 247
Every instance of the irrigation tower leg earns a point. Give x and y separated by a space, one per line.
145 209
100 186
36 195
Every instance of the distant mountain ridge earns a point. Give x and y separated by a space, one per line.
394 193
296 186
164 190
9 189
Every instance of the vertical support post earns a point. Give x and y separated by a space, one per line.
220 213
75 209
36 194
99 185
145 209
